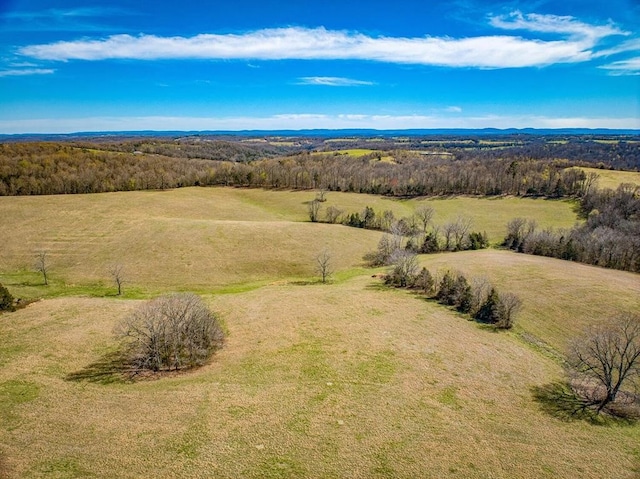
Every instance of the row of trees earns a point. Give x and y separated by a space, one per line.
417 232
51 168
455 237
610 237
476 298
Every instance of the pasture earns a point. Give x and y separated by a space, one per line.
208 239
613 178
347 379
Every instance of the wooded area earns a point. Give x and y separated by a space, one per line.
58 168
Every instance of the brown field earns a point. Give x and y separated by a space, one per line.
613 178
348 379
207 239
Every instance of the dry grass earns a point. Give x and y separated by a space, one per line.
613 178
207 239
316 381
341 380
560 297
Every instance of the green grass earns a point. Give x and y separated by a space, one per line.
613 178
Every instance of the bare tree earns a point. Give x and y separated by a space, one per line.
42 265
333 214
405 268
382 255
321 196
461 228
387 218
480 288
424 214
447 231
324 265
175 331
609 355
313 208
118 275
508 306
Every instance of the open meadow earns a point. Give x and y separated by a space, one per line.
345 379
613 178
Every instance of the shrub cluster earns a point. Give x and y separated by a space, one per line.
478 298
175 331
610 236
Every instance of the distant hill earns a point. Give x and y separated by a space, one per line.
118 135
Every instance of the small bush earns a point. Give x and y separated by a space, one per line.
6 300
175 331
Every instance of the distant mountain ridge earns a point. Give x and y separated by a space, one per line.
321 133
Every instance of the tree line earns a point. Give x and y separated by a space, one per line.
477 298
610 236
60 168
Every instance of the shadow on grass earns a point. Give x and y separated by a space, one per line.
560 401
109 369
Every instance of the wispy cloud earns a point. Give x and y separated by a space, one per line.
563 25
298 121
332 81
632 45
82 19
630 66
81 12
499 51
453 109
26 72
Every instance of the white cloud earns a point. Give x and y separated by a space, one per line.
453 109
630 66
564 25
632 45
297 121
26 72
498 51
332 81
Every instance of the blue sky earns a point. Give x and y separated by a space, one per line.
91 65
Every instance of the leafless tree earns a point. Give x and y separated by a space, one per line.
461 227
324 265
424 214
42 265
447 231
508 306
175 331
397 236
480 288
609 355
386 220
321 196
333 214
313 208
382 255
405 267
118 275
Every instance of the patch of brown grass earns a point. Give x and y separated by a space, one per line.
316 381
560 298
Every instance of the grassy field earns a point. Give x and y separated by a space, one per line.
348 379
613 178
208 239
